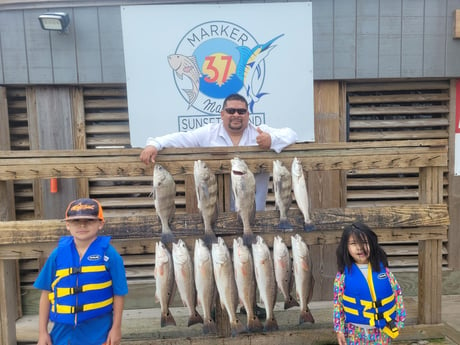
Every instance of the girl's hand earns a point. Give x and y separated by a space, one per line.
341 338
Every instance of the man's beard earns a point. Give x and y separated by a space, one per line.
235 125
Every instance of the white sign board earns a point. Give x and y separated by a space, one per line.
183 60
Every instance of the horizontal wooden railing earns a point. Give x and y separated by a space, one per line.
426 222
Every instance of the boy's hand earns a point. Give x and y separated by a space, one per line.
44 339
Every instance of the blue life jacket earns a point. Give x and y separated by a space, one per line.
80 290
370 302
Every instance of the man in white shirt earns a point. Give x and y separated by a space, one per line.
234 130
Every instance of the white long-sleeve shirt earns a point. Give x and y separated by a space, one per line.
215 135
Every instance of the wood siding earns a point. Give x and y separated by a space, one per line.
352 39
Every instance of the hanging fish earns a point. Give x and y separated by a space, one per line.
164 194
204 283
164 283
283 271
302 199
206 193
282 187
303 276
244 191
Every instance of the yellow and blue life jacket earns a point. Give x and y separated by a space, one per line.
370 301
82 289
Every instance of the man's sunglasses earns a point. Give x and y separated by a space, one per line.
232 111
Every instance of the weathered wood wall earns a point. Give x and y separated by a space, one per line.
352 39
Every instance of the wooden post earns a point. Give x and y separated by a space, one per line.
10 308
430 252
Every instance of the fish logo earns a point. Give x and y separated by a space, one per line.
219 58
186 65
249 69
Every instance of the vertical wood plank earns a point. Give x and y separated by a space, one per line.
454 181
191 202
10 308
326 188
54 115
79 134
430 252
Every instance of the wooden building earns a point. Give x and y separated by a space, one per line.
386 98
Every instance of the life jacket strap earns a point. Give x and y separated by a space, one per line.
62 292
68 309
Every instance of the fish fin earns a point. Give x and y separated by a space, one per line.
285 225
308 227
194 319
190 94
248 239
168 237
290 302
255 325
209 238
271 325
167 319
237 327
209 326
306 316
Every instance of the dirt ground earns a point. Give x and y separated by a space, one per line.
144 324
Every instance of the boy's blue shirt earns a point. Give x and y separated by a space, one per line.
93 331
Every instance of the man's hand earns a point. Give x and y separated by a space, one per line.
264 140
148 154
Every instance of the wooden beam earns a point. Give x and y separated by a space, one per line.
20 165
414 217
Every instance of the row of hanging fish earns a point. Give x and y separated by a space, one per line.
243 188
235 277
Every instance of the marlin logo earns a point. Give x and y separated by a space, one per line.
249 69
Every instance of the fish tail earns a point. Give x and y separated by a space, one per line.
271 325
254 324
290 302
306 316
285 225
237 327
167 319
194 319
192 95
308 227
248 238
167 237
209 238
209 326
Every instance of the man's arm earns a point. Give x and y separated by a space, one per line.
179 139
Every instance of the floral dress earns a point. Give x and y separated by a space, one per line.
357 335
